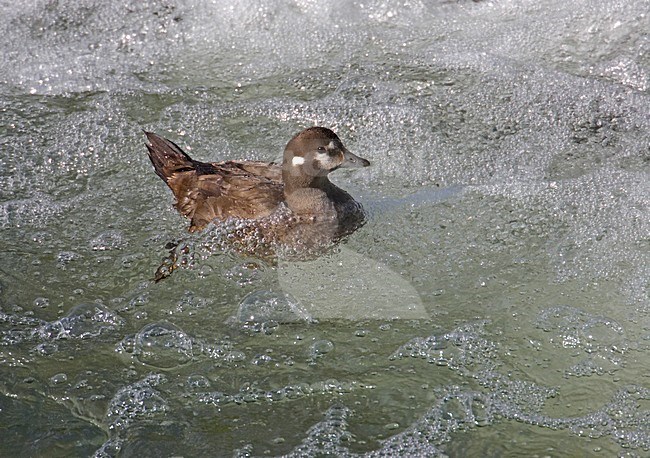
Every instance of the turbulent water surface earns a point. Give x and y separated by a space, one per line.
496 303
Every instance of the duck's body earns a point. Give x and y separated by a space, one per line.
293 204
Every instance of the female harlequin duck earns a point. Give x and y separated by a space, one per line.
291 208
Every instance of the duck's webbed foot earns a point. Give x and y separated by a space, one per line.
169 263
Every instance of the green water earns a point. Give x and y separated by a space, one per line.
495 304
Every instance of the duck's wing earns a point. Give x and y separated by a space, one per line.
208 191
229 189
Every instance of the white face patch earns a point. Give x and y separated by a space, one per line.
297 160
326 161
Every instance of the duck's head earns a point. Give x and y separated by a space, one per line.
314 153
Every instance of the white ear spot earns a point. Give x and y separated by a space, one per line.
297 160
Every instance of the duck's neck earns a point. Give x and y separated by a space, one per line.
293 183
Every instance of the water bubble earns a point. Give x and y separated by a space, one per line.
205 271
66 257
197 381
326 437
454 410
139 300
127 345
321 347
108 240
191 301
245 274
41 302
58 378
82 322
260 360
110 448
480 412
136 401
46 348
235 356
266 306
163 345
41 237
130 260
571 327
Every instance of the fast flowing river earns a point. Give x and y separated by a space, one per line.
497 302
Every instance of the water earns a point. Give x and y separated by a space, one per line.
496 303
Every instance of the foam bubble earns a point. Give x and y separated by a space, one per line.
265 306
108 240
138 401
83 321
163 345
571 327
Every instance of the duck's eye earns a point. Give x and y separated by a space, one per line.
321 148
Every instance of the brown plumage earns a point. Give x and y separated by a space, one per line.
250 190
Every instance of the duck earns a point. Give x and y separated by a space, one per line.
291 207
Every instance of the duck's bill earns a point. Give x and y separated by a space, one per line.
352 161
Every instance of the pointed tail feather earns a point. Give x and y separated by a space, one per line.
167 157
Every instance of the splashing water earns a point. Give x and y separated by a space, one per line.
496 302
